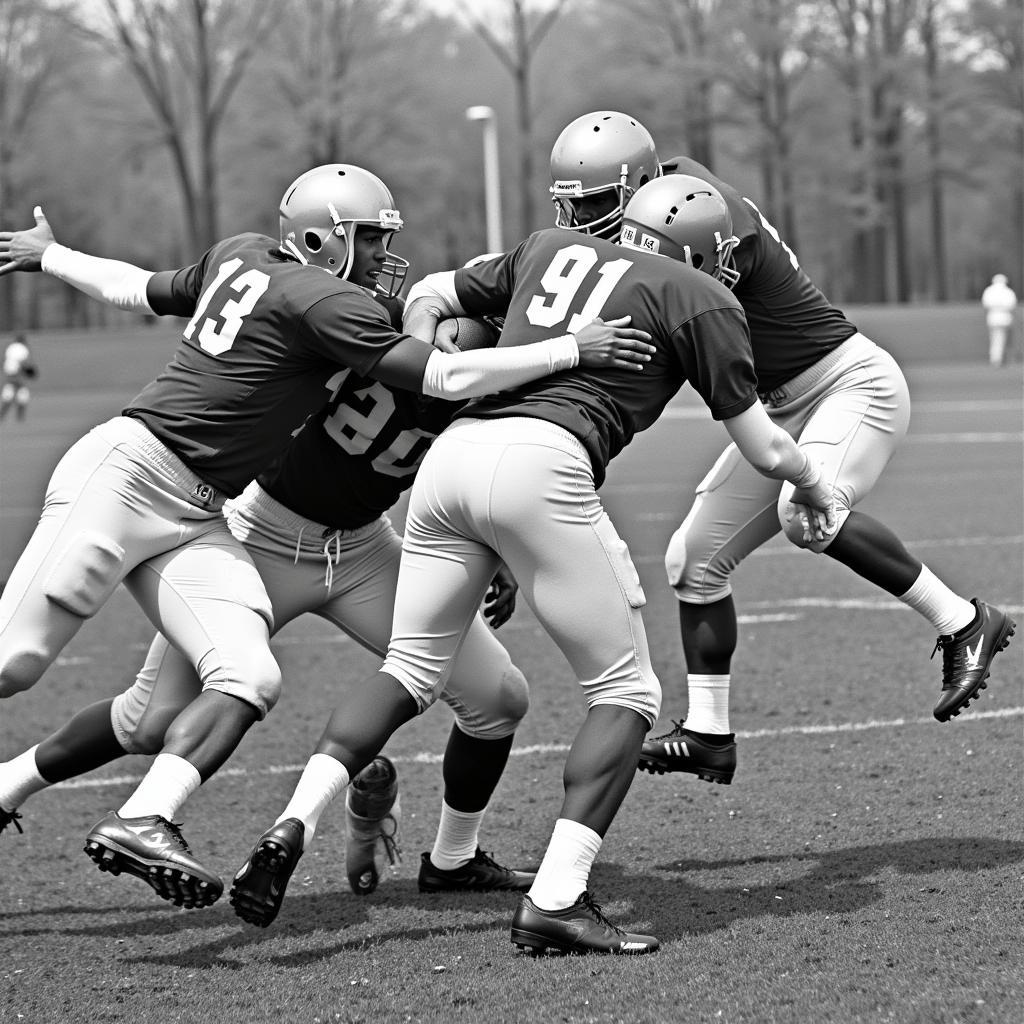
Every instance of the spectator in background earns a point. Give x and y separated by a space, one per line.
19 369
1000 303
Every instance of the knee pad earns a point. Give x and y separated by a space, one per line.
253 676
640 692
499 712
20 669
85 574
140 728
696 581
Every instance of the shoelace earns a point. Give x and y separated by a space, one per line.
588 901
677 730
488 861
954 658
10 818
389 840
174 830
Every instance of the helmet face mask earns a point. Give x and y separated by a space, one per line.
686 219
320 212
604 155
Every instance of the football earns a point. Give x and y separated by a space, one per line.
467 333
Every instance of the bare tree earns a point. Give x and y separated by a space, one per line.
524 33
188 57
34 62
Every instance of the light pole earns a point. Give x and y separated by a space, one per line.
492 185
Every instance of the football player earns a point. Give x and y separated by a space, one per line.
315 524
18 369
514 480
839 394
139 499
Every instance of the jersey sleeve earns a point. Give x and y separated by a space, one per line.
714 349
486 287
175 292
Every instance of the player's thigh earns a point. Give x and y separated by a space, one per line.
90 533
207 598
733 514
857 424
165 685
572 567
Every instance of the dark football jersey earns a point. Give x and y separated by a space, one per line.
354 458
556 281
265 339
792 324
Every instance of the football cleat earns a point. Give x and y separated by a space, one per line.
153 849
258 889
10 818
581 928
682 750
481 874
967 656
373 819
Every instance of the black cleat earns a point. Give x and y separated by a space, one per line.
581 928
373 821
153 849
967 656
258 889
10 818
481 874
682 750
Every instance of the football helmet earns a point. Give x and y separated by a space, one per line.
685 218
320 212
600 152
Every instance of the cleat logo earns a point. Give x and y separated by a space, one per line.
629 947
974 657
680 749
151 836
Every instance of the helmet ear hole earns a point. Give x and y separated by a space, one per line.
697 260
313 241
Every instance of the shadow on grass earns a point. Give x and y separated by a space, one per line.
831 882
315 926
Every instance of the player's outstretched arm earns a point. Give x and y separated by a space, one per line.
23 250
774 453
110 281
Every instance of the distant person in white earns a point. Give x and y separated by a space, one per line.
18 370
1000 303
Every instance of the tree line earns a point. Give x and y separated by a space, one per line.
883 138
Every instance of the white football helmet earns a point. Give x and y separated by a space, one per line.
320 212
600 152
685 218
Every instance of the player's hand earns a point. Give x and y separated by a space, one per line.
500 600
23 250
444 336
816 507
612 343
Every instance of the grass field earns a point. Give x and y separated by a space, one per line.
865 865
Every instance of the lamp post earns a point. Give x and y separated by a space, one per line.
492 186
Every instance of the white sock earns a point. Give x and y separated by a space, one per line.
709 703
456 840
19 779
946 611
323 778
170 781
565 870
